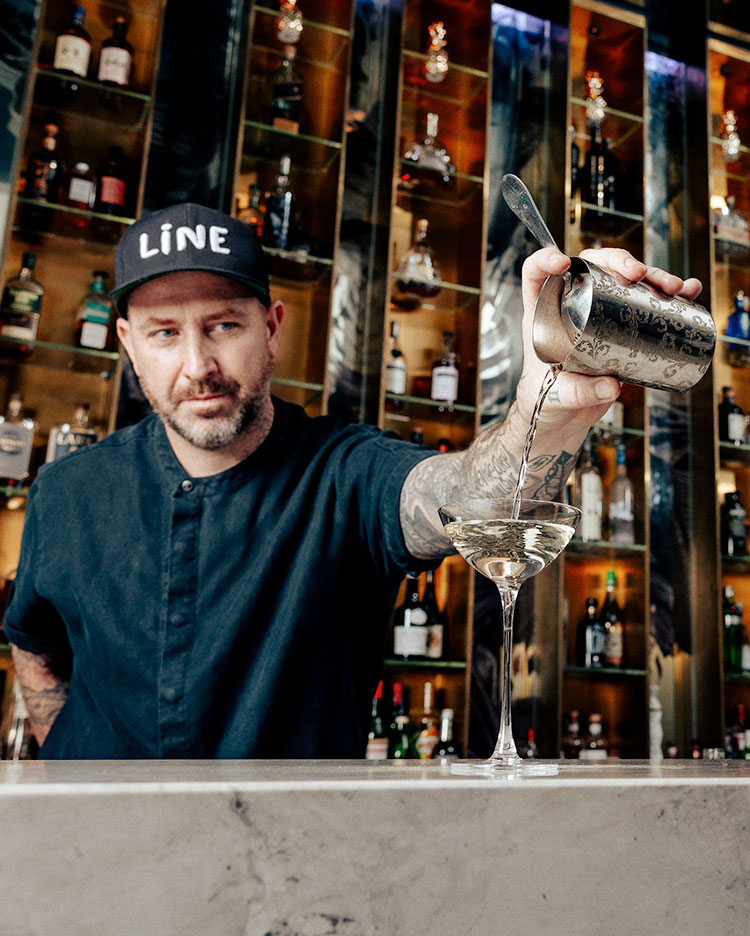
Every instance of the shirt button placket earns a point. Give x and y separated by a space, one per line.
177 620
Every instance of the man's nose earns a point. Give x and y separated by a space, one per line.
198 359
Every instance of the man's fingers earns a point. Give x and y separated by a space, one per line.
578 391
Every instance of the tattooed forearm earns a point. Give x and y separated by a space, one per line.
488 468
44 684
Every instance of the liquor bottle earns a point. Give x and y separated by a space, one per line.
731 418
254 214
444 445
738 326
400 737
592 172
286 96
611 176
21 306
733 631
589 494
610 426
112 186
590 638
95 313
418 274
621 516
277 231
116 56
410 624
395 368
444 386
417 435
612 620
427 735
377 739
44 170
70 436
80 192
436 61
290 22
430 162
435 618
575 159
445 749
733 522
73 45
595 745
16 440
571 739
530 751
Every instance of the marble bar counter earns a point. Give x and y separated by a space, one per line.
354 848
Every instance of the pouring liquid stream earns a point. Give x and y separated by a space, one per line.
547 384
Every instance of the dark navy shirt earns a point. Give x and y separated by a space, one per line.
238 615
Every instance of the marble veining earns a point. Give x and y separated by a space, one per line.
355 849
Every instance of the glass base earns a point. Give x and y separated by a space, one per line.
497 769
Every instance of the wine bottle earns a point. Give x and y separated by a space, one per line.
571 739
73 46
112 187
410 624
427 735
116 56
732 523
621 514
69 437
731 418
95 313
400 736
589 494
21 306
590 638
445 749
444 386
254 215
435 619
80 192
395 367
286 98
377 739
280 207
612 619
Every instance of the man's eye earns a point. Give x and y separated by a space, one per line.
226 326
163 333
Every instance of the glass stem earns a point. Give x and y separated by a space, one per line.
505 749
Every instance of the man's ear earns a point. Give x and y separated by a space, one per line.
123 333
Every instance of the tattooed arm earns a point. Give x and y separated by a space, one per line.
44 682
489 467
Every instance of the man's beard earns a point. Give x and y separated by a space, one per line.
206 432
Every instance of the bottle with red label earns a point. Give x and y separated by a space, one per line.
112 186
377 739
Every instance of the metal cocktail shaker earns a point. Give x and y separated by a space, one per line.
593 321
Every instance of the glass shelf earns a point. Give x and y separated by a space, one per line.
422 409
599 222
737 677
41 219
735 563
90 99
296 266
619 126
10 490
452 296
730 453
308 153
314 390
438 665
461 192
588 548
460 87
607 437
604 672
307 23
731 250
321 44
62 357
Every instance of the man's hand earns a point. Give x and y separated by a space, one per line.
44 682
589 396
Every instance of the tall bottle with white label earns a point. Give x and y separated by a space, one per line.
410 630
395 367
116 56
69 437
589 494
21 306
73 45
444 387
621 511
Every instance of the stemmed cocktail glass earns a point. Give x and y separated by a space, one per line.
508 540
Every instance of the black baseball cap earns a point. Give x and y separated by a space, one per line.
184 238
